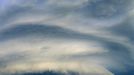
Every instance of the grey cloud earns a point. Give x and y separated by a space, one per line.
105 9
68 38
125 29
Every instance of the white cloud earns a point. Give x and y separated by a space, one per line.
45 54
64 67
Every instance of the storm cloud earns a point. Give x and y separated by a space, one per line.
66 37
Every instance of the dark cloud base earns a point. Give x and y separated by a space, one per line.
49 73
128 72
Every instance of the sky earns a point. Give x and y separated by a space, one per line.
66 37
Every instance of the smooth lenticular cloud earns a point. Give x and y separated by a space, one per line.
88 37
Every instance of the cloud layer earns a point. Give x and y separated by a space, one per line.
89 37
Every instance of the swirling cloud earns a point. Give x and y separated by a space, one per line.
89 37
